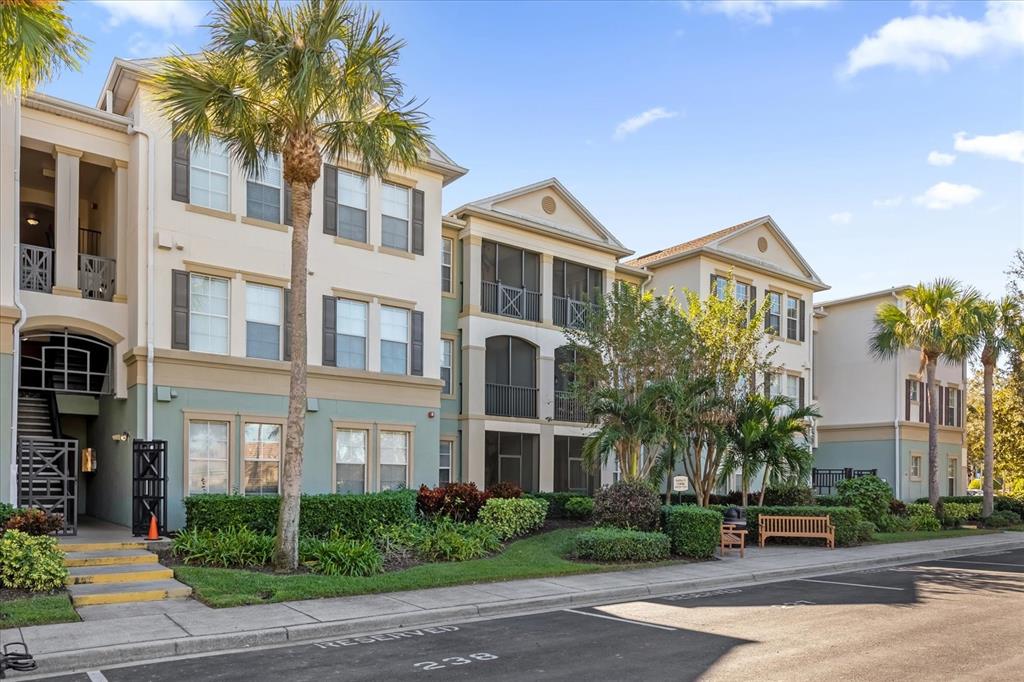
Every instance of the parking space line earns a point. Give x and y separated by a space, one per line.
836 582
96 676
983 563
621 620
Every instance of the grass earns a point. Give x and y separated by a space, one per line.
913 535
535 557
36 610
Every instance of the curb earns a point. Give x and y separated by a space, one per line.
100 657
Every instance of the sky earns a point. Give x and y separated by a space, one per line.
886 139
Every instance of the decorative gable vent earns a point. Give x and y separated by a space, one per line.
548 204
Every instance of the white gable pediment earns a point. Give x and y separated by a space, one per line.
764 243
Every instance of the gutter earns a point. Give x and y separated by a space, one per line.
150 302
16 274
898 483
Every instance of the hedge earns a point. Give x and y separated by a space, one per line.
512 517
355 516
617 544
1001 502
556 502
694 531
847 521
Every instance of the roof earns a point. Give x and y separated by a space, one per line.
891 291
693 244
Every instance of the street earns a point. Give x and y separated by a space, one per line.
952 619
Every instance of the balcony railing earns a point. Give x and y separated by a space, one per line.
36 268
568 312
517 302
511 401
96 276
568 408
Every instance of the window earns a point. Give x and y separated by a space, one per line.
444 466
617 470
952 397
915 466
512 457
263 191
394 208
351 329
447 349
775 385
394 459
263 310
352 203
571 474
913 390
952 469
350 460
793 388
208 314
207 456
394 340
261 458
446 265
792 318
209 176
773 321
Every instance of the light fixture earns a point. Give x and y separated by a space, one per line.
121 437
32 220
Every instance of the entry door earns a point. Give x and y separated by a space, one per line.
149 485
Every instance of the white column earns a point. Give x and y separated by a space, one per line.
65 281
547 458
547 282
120 229
472 271
473 445
236 307
546 384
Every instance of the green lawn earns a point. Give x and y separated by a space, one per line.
37 610
912 535
535 557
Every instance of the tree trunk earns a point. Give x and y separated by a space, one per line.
987 485
286 551
933 434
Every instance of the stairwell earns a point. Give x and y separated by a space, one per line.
118 573
34 419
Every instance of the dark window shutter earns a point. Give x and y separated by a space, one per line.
417 221
179 309
960 408
767 385
906 390
330 200
942 405
922 401
752 303
803 321
286 205
803 386
714 280
416 365
179 169
286 344
768 310
329 351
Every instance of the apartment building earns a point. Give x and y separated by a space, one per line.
874 412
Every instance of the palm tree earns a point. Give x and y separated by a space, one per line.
680 403
625 426
744 452
36 42
936 319
785 431
308 81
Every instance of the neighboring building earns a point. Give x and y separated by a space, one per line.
874 411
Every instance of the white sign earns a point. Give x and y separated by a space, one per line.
680 484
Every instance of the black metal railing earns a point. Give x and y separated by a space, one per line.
517 302
569 312
511 401
568 408
825 481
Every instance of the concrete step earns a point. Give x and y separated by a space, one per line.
120 593
132 573
109 557
80 546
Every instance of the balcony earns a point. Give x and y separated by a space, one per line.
96 274
511 401
516 302
569 312
568 408
36 268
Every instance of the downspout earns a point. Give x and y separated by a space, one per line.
150 302
16 273
898 483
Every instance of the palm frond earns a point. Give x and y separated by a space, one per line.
36 43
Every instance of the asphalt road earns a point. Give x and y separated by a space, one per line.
944 620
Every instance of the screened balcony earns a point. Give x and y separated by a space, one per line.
511 378
576 288
567 407
511 282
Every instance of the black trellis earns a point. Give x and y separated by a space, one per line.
149 485
47 478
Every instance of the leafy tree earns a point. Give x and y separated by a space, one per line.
310 80
744 452
1007 427
936 319
36 42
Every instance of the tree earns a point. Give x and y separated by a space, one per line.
308 80
786 455
682 402
744 452
1007 427
935 319
36 42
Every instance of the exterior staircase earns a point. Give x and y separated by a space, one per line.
34 419
117 573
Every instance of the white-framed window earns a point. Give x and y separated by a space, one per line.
394 208
444 465
916 461
793 388
263 191
447 351
394 459
953 397
776 385
350 456
952 471
208 448
209 176
914 397
394 340
353 200
792 318
351 331
209 314
447 247
264 308
773 322
616 470
261 458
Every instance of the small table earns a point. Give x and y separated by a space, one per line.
733 536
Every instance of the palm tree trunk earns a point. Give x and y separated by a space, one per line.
933 434
987 485
764 486
286 551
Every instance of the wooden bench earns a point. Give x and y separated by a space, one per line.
796 527
733 537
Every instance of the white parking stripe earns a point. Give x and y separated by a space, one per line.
836 582
983 563
621 620
96 676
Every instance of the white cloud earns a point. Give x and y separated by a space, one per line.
168 15
943 196
888 202
929 42
1008 146
758 11
843 218
940 159
631 125
931 6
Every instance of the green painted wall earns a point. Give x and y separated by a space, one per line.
916 489
879 454
450 409
109 488
6 419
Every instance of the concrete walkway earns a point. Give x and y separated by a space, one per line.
133 632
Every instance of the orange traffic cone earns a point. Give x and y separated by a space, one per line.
153 534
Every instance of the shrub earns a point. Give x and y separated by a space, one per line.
556 502
339 555
232 547
6 512
922 517
897 507
865 531
579 508
34 522
955 513
447 540
617 544
845 519
827 501
1002 502
627 504
356 516
788 496
1003 519
505 490
397 543
511 517
694 531
456 501
890 523
31 562
870 494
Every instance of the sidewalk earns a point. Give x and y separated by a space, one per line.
123 633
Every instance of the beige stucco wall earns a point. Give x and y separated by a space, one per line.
564 216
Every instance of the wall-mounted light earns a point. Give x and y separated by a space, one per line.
32 220
430 415
121 437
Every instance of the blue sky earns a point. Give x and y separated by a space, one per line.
885 138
